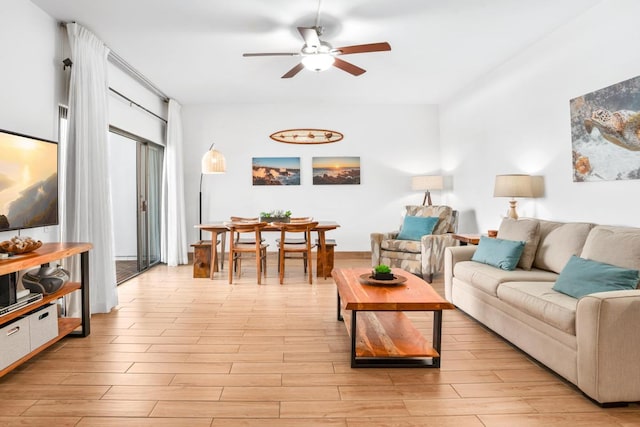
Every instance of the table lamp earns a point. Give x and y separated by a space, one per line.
513 186
426 183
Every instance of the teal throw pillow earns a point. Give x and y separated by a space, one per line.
584 276
500 253
414 227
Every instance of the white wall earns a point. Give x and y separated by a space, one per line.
393 142
516 120
30 80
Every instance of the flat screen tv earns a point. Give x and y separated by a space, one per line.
28 181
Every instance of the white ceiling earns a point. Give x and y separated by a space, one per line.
192 49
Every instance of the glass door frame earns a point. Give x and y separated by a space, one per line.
145 260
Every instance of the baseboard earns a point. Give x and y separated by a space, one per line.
336 254
351 255
127 258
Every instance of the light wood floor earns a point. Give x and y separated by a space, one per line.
194 352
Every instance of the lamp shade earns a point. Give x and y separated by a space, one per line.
427 182
513 186
213 162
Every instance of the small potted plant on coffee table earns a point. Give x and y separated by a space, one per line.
382 272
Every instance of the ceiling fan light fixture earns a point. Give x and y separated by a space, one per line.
318 61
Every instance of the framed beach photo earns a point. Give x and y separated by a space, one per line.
336 170
276 170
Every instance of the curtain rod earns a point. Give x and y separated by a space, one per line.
137 105
127 68
124 66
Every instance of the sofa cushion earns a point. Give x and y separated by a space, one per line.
558 241
500 253
444 213
539 300
581 277
526 230
488 278
614 245
414 227
411 246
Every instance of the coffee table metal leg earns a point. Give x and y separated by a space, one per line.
339 311
353 338
437 336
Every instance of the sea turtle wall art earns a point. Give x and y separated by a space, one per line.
605 133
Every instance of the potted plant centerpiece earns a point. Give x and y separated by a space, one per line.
382 272
275 216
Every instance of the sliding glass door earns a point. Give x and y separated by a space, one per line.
149 192
136 179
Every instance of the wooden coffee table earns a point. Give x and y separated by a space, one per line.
381 334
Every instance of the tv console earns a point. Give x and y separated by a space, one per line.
37 320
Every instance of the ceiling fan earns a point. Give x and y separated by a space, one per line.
318 55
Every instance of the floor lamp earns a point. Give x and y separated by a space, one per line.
213 162
426 183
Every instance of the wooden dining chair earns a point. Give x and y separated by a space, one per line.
284 248
245 239
236 249
297 239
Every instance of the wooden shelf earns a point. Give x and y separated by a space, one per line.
66 289
388 334
66 325
49 252
44 254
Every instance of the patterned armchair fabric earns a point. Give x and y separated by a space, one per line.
424 257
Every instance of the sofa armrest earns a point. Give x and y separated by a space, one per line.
453 255
376 242
608 345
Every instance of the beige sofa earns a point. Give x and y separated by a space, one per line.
593 341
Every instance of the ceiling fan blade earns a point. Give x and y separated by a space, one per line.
272 54
348 67
292 72
310 36
364 48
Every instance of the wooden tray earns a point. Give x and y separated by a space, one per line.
366 279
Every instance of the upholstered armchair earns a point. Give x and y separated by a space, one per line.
423 257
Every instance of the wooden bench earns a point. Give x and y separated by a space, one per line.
201 259
322 270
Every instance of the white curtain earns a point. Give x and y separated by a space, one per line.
87 212
174 230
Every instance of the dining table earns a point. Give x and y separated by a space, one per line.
221 228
